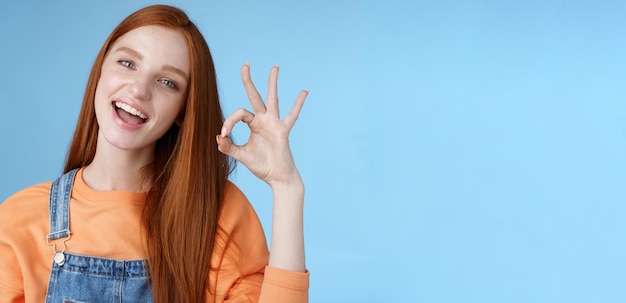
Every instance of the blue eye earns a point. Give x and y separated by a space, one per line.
169 83
127 64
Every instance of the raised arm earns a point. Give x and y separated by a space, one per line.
268 156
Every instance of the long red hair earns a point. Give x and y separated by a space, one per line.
189 173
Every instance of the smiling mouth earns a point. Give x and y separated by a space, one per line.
129 114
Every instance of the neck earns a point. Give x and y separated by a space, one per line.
116 169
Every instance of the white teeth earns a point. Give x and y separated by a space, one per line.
127 108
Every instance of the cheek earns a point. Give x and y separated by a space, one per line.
169 110
178 107
102 87
100 101
99 96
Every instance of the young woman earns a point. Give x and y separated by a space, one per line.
144 211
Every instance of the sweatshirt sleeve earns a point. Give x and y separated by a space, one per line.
240 271
11 287
16 221
283 286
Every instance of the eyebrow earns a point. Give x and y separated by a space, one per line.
166 67
175 70
130 51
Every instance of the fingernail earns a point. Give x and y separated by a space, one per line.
223 131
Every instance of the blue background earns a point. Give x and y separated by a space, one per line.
453 151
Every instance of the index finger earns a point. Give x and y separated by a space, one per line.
253 95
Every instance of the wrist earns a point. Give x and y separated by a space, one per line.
292 183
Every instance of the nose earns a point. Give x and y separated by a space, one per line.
140 89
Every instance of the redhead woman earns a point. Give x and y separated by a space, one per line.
144 211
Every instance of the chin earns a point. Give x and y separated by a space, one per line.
122 142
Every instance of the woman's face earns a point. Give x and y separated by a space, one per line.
142 87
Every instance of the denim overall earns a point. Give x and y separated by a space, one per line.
76 278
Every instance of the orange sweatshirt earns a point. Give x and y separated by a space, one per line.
108 225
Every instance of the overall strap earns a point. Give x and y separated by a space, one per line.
59 206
